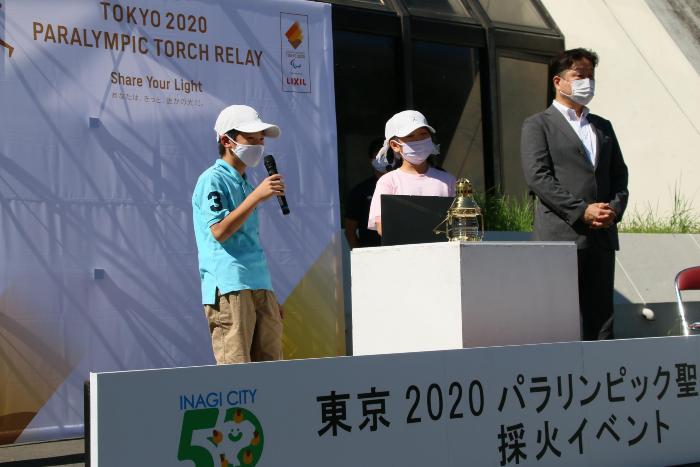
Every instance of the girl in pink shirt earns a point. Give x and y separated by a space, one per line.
410 137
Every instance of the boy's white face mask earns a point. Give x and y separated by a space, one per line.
249 154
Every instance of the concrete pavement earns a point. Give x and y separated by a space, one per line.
69 452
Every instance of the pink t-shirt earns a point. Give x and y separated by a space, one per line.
397 182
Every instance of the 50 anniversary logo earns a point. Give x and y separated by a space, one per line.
221 437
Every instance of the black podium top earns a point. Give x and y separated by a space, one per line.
411 219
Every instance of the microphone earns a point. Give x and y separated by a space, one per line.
271 167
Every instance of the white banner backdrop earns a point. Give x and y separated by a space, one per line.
107 121
612 403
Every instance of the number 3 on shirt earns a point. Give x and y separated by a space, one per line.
216 196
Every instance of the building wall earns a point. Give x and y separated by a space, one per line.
648 88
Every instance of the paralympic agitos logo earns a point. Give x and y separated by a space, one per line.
212 437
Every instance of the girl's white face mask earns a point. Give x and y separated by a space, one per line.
416 152
582 91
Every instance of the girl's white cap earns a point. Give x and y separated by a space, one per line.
401 124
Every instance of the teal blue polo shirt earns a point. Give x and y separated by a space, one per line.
239 262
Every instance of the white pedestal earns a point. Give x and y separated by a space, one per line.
438 296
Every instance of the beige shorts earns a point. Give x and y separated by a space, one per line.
245 326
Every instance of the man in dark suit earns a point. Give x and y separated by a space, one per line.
572 162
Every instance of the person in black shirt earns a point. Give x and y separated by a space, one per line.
359 199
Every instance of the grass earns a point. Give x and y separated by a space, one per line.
515 214
505 212
683 219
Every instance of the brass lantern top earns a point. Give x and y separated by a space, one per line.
464 198
464 221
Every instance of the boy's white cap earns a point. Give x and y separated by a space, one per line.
402 124
243 118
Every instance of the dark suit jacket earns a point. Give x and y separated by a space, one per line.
558 171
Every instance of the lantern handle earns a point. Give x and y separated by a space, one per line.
436 230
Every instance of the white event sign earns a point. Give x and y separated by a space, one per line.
628 402
107 119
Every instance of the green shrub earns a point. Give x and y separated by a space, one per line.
516 214
683 218
505 212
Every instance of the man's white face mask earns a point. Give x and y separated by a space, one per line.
582 90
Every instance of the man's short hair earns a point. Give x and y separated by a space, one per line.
566 59
232 135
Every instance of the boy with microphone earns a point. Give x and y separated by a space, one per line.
245 319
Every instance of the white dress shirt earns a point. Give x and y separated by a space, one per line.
582 127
